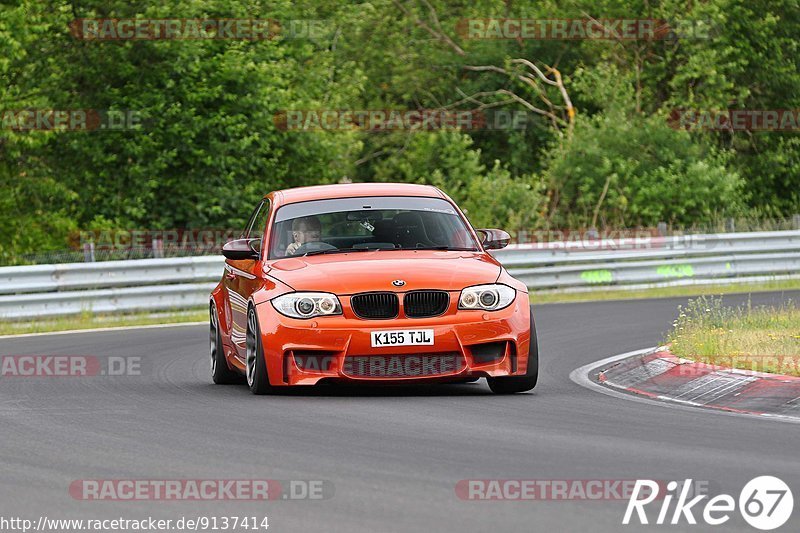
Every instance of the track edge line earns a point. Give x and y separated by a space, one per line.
580 376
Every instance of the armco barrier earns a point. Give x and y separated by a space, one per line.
179 283
140 272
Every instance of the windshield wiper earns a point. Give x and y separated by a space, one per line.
336 251
348 250
449 248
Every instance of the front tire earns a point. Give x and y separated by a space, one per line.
221 374
514 384
257 378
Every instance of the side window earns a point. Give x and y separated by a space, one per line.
260 222
251 221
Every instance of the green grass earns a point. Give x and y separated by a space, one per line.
766 339
662 292
90 321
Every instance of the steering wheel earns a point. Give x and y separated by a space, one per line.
313 247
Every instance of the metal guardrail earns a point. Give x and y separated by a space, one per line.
723 258
140 272
179 283
147 298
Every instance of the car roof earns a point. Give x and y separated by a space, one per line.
351 190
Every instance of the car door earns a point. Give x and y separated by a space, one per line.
242 278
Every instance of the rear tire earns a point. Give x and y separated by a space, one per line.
257 378
514 384
221 374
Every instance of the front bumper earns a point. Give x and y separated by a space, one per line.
466 344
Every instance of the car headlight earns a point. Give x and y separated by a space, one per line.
487 297
307 304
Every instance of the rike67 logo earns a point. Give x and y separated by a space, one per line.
765 503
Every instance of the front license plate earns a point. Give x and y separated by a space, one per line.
403 337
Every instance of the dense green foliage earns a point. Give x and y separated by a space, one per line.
209 147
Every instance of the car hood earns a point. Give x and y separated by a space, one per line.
351 273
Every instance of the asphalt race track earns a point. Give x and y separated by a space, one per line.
393 456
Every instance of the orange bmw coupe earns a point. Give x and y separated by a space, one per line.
368 283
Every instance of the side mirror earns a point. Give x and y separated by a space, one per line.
240 249
494 239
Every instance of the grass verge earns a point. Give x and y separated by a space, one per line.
91 321
663 292
764 339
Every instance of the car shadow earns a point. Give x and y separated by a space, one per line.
393 390
368 390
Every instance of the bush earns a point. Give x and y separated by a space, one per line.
623 169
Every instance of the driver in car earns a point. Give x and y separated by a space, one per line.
305 229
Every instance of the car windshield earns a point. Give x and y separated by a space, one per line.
369 223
